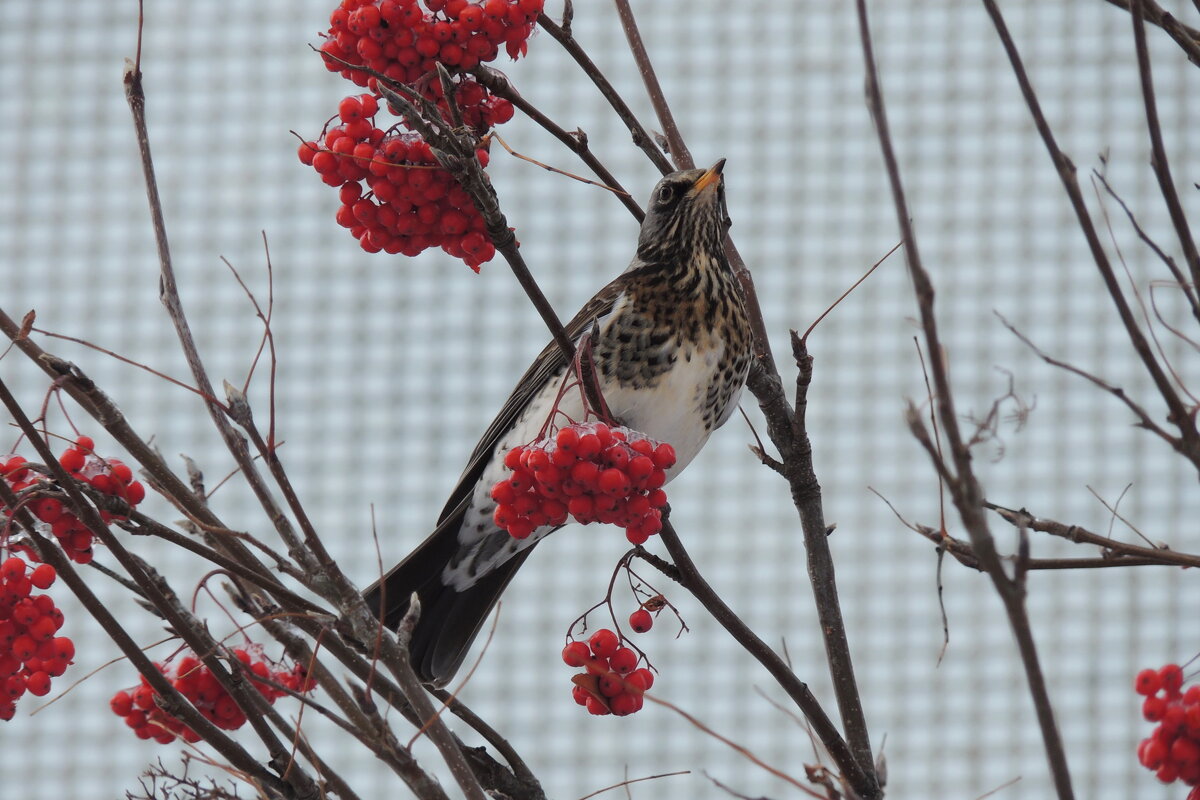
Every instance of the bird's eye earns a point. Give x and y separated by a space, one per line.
667 193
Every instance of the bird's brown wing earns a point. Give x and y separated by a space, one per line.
548 363
451 617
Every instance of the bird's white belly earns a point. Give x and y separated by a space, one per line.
671 411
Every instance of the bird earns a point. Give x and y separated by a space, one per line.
671 348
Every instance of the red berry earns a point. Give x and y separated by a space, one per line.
1172 678
640 679
23 647
1183 750
641 620
72 460
596 706
576 654
1154 708
626 703
503 493
12 569
42 630
604 642
38 684
614 482
47 509
350 109
520 528
43 576
611 684
121 703
85 444
623 661
664 456
120 470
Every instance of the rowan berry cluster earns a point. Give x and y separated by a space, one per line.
404 41
394 196
30 654
1172 751
108 476
140 709
408 203
612 682
591 472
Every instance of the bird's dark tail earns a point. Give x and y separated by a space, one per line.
450 619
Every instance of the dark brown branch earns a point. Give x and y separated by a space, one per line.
457 155
1186 37
249 572
641 137
963 486
1158 159
963 553
787 430
676 146
576 141
683 160
1075 533
433 725
690 578
493 737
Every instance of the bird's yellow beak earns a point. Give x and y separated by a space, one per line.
711 177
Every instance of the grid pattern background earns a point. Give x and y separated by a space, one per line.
390 368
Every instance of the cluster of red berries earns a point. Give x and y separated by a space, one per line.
30 654
106 475
197 683
404 41
591 472
394 196
612 682
1172 751
408 203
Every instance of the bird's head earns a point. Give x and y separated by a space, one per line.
686 212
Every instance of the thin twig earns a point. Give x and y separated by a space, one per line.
576 141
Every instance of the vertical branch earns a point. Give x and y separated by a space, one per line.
676 147
964 488
1158 159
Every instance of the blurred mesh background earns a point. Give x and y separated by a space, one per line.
389 368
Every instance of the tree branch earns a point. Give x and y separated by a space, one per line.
963 486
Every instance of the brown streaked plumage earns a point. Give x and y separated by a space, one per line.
671 356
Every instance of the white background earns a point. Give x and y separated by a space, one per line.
391 367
